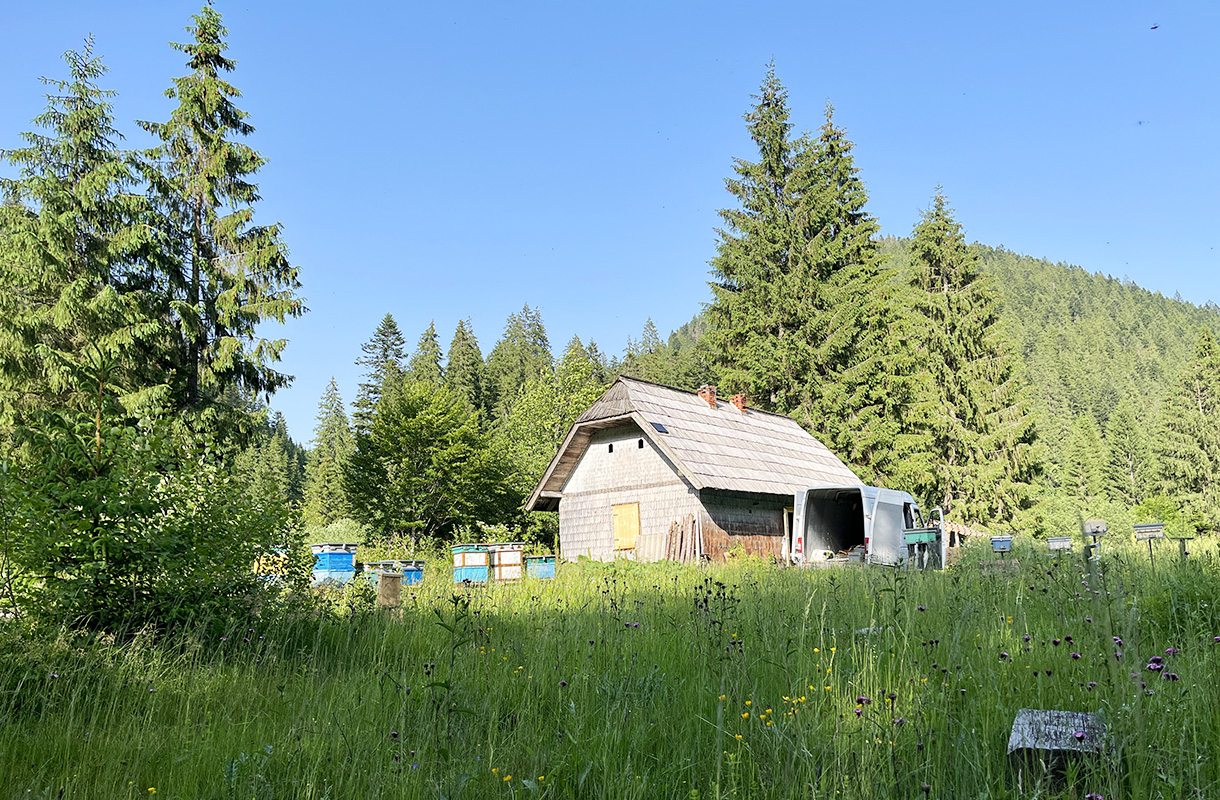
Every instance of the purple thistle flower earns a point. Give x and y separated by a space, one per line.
1094 796
1088 619
921 608
1171 676
1075 656
862 700
859 711
54 675
1068 638
1118 641
246 639
635 624
1003 656
562 684
1156 667
1118 654
1026 637
1055 642
224 638
1092 685
393 734
1172 651
1216 640
1079 735
1155 660
1048 673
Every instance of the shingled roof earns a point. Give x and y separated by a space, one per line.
713 448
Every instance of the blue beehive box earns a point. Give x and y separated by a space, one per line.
334 562
412 572
540 566
470 563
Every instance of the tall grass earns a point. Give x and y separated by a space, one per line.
642 681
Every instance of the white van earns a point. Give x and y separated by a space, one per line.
874 523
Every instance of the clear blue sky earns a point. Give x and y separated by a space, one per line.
443 160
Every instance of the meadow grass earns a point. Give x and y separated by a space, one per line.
642 681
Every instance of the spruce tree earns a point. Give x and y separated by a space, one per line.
382 362
1189 447
325 500
755 312
1083 473
522 354
856 343
974 434
76 308
1129 470
231 274
426 361
464 365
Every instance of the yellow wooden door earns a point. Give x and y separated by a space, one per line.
626 525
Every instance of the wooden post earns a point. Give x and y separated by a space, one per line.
389 589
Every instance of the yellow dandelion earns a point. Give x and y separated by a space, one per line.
768 711
737 736
542 777
508 777
495 770
827 688
768 723
748 702
816 650
745 715
832 649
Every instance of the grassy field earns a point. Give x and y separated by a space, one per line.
643 681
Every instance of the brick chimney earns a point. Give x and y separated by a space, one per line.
739 400
708 393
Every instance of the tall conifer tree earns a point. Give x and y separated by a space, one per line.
325 499
382 361
1129 469
231 274
426 361
464 369
755 311
522 354
75 259
1189 451
977 434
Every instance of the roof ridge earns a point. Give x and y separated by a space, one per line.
689 393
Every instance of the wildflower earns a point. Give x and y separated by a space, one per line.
1075 656
900 721
1118 654
1026 637
921 608
859 711
1171 676
1068 638
1079 735
54 675
862 700
1055 642
495 770
415 766
1118 641
1003 656
816 650
224 638
1172 651
1094 796
393 734
1092 685
827 688
508 777
1088 619
737 736
745 715
748 702
563 684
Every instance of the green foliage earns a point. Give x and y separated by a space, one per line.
76 256
1189 448
465 372
125 525
382 360
539 419
426 467
229 274
1130 469
325 500
426 361
522 354
974 454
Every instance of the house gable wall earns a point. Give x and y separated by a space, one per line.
602 479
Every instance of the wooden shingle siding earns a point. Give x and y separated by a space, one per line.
602 479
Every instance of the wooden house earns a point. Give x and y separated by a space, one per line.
651 472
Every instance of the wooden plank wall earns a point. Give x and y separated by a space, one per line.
736 522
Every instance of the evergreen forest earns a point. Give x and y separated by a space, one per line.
143 458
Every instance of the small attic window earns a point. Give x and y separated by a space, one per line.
611 449
641 444
659 428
